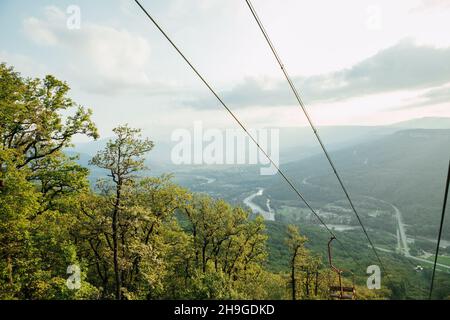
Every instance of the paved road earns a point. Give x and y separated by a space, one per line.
415 258
401 232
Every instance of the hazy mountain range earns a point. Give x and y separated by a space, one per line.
402 164
295 142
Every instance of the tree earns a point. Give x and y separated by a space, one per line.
37 180
31 119
18 202
311 270
225 248
308 279
150 239
296 246
123 157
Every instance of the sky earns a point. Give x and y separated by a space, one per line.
355 62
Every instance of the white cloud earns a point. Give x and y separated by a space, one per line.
106 59
23 63
405 66
314 38
432 4
39 32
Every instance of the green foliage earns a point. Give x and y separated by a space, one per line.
224 248
38 183
123 157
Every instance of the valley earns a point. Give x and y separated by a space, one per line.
394 176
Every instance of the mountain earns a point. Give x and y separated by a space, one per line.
300 142
424 123
158 160
300 154
406 169
294 143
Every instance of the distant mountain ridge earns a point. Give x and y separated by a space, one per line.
296 143
424 123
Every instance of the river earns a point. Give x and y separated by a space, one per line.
268 214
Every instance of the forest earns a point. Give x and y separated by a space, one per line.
132 235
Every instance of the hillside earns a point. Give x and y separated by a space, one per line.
406 169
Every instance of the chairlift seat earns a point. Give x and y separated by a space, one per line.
345 289
340 291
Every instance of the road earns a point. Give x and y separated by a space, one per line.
402 239
401 232
415 258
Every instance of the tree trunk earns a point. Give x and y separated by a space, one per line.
204 256
307 283
316 283
293 284
10 270
115 236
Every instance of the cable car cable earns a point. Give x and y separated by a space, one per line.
288 181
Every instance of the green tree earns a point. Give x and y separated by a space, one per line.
149 237
31 119
18 202
296 245
37 180
308 279
224 249
123 157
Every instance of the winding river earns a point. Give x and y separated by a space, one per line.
267 214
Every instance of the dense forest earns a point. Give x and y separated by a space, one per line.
132 235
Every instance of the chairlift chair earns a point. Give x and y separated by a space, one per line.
340 291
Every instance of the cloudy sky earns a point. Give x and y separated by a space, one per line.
355 62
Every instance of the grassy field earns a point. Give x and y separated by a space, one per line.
441 259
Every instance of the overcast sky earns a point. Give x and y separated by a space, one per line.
355 62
